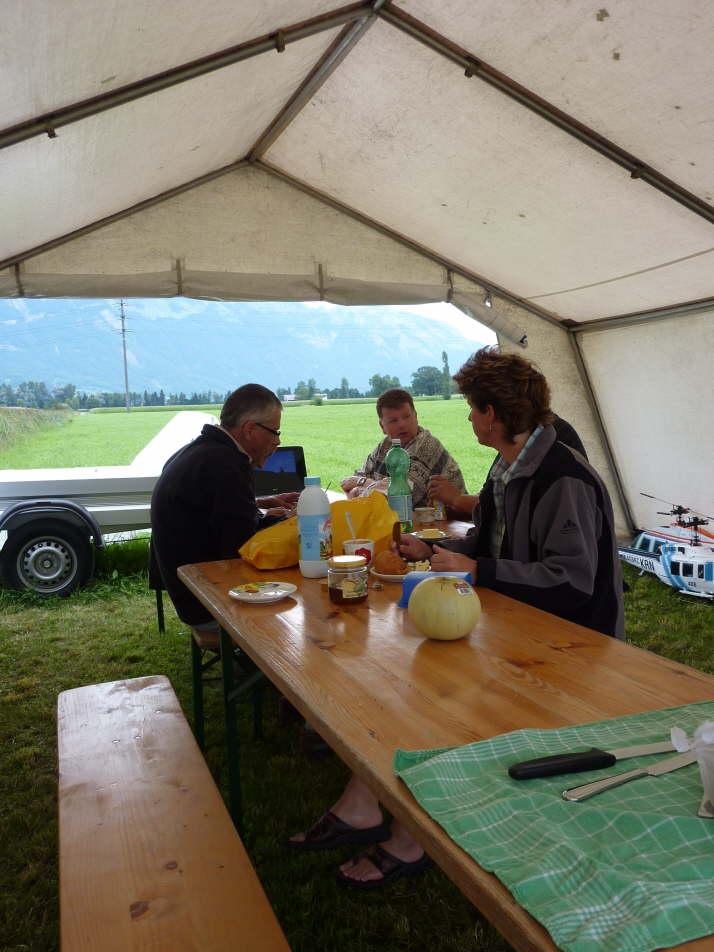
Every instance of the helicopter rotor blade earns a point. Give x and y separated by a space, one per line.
682 509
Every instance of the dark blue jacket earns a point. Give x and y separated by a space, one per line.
203 508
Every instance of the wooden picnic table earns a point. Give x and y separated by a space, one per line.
370 683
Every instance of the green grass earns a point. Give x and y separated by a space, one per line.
108 631
17 423
86 440
337 438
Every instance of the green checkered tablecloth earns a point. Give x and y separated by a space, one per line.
630 870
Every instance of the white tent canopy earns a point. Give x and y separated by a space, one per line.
552 156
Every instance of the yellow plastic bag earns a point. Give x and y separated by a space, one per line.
371 517
276 547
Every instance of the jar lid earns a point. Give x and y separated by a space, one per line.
346 562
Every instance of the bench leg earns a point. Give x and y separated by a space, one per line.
197 683
232 743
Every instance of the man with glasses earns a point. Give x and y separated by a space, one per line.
204 506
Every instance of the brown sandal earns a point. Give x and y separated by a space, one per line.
391 867
330 831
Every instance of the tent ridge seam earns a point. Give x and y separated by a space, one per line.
622 277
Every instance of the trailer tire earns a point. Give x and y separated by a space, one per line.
49 559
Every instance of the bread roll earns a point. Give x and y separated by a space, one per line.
389 563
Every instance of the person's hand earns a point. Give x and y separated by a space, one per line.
288 500
443 560
349 483
441 489
411 548
280 512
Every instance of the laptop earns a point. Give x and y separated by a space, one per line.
284 472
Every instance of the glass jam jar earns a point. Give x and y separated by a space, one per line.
347 579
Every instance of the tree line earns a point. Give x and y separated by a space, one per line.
38 396
426 381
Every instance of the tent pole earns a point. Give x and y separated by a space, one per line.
48 123
322 71
595 407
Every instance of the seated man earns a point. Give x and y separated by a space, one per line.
398 420
204 507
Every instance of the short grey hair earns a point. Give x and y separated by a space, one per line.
249 402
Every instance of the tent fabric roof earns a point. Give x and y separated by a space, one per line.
556 155
396 131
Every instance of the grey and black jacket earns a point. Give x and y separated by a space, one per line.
559 550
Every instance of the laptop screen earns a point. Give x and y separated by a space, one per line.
283 472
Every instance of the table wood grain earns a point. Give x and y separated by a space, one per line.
370 683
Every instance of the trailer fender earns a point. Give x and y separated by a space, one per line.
62 510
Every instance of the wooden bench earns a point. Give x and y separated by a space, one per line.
149 857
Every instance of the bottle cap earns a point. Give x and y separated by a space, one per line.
312 481
346 562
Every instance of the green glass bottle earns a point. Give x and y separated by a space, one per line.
399 494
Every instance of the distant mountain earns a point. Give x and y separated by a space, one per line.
186 345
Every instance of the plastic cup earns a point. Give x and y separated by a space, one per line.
363 547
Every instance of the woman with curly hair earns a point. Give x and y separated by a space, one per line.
543 526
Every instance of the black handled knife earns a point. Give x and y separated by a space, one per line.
576 761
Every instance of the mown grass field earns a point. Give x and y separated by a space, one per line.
336 438
108 631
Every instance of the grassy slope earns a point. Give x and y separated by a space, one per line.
86 440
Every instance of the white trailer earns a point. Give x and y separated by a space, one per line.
52 521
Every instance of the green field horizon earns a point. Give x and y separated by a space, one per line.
336 438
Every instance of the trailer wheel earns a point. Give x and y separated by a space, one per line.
52 559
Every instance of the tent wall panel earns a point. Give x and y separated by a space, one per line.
233 236
8 283
653 382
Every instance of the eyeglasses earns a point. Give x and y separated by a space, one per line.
268 428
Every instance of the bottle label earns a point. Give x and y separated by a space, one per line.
315 537
402 506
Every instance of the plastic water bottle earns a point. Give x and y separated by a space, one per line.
399 494
314 528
